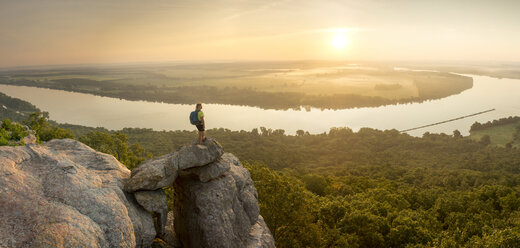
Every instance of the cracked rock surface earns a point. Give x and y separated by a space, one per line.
64 194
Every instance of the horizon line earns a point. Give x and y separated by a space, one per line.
222 61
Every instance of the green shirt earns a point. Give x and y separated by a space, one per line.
200 115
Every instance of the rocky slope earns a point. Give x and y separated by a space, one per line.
64 194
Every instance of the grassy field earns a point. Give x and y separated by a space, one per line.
499 135
278 85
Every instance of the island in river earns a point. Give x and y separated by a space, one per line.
268 85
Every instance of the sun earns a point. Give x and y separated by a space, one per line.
339 41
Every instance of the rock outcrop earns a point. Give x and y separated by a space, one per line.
162 171
216 202
217 206
64 194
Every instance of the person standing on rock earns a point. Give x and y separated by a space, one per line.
197 119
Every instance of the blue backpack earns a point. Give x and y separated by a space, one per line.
194 117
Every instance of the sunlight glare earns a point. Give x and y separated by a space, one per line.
339 41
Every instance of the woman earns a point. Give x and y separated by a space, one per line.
201 125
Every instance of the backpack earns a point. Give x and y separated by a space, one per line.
194 117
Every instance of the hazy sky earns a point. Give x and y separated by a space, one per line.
40 32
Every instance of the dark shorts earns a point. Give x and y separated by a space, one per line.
200 127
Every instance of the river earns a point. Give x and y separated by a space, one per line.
503 95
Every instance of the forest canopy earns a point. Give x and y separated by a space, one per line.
372 188
369 188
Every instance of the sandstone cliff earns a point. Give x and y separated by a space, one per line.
64 194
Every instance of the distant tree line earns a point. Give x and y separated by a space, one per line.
502 121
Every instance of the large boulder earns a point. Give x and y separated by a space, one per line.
152 174
64 194
197 155
162 171
213 170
